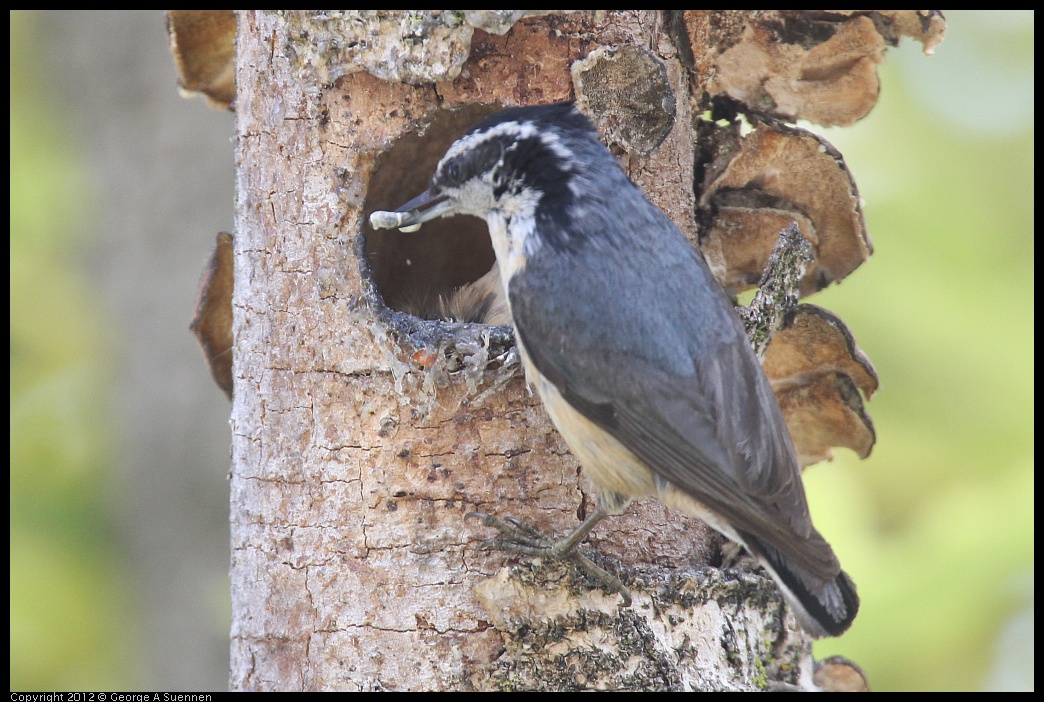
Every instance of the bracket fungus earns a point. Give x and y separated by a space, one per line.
203 43
817 65
774 175
817 373
212 321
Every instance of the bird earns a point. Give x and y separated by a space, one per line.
636 351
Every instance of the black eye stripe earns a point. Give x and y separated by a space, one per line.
453 171
473 163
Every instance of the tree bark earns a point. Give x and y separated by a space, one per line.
362 436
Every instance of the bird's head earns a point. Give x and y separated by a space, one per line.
505 168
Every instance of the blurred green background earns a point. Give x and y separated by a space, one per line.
119 442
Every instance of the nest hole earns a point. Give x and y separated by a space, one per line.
416 272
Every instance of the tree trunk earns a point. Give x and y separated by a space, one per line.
363 436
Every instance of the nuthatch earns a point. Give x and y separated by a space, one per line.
636 351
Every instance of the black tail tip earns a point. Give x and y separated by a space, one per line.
829 611
822 609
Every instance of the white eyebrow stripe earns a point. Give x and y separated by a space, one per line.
515 130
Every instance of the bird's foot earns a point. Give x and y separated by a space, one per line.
517 536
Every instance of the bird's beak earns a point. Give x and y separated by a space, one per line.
409 217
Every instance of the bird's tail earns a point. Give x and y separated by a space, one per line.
822 607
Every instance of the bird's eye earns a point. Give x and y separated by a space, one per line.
452 172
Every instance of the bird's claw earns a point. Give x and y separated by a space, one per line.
517 536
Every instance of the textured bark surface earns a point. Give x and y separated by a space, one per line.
356 456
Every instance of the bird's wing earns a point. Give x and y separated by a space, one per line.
709 424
